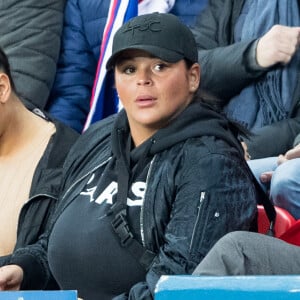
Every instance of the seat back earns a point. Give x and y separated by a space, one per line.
284 220
244 287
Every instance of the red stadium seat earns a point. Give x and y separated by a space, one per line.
292 235
284 221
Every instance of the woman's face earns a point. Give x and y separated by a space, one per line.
152 91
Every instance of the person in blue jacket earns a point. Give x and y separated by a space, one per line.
84 23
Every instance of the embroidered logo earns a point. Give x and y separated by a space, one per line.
153 26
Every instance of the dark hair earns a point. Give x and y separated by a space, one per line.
217 104
188 63
5 67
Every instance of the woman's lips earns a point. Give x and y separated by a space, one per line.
145 100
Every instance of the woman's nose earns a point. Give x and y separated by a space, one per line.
144 78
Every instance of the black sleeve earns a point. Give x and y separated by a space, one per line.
274 139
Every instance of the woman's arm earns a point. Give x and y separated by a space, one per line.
214 196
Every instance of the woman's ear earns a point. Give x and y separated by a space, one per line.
194 77
5 88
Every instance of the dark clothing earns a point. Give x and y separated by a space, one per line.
36 212
30 34
221 60
197 188
90 236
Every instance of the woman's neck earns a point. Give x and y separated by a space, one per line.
22 125
141 134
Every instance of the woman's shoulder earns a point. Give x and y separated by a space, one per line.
100 129
210 144
94 138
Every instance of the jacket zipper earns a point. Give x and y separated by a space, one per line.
142 207
201 200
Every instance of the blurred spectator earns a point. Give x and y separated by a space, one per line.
30 34
32 151
280 177
248 51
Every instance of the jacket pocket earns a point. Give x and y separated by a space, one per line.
208 228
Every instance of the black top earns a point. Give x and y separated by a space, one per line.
86 223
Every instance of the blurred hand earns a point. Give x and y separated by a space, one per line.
278 45
266 176
291 154
11 277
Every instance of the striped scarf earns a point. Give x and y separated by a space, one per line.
120 11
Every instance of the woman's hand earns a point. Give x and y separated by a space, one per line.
11 277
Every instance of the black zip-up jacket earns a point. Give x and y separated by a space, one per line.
228 67
199 187
35 213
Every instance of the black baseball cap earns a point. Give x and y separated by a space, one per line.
160 34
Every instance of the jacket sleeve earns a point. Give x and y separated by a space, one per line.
34 263
220 58
281 135
214 195
70 97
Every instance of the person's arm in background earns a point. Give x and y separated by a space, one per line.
70 97
290 154
274 139
221 60
277 46
241 63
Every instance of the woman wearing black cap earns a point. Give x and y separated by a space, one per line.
149 191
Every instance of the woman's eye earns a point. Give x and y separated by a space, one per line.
159 67
129 70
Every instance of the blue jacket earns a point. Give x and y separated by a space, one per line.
82 34
188 10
